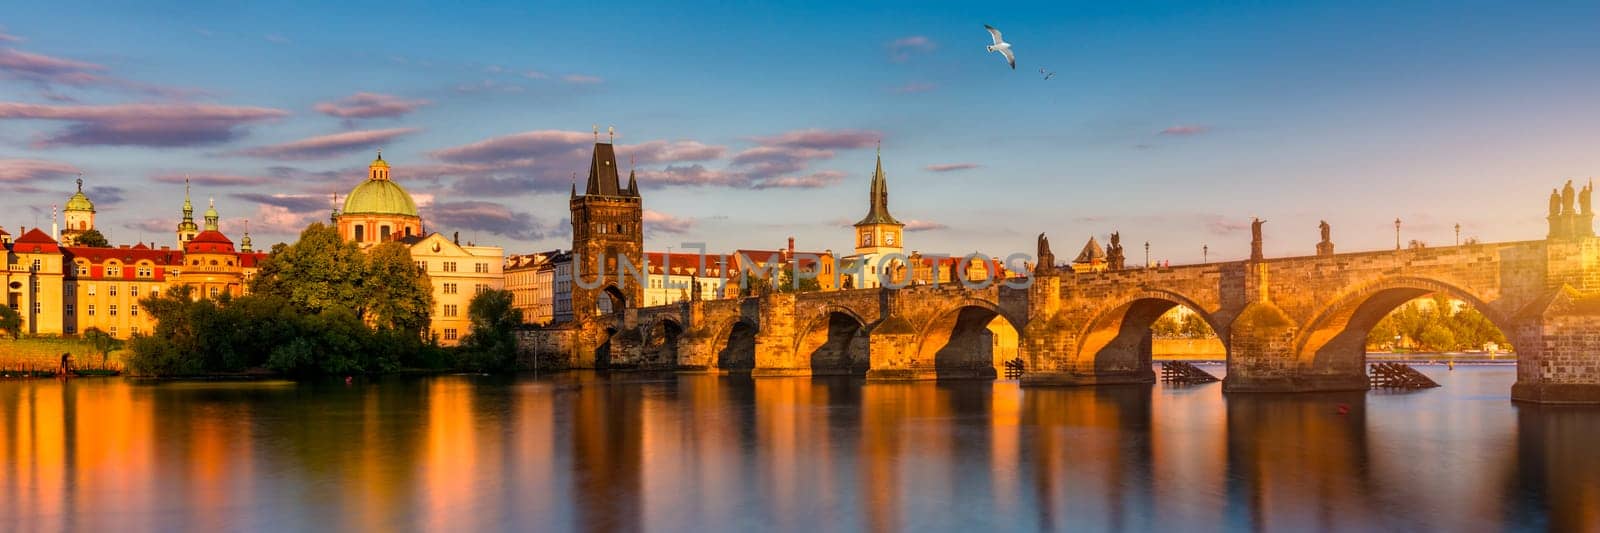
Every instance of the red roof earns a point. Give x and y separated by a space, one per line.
209 241
40 240
125 254
686 264
251 259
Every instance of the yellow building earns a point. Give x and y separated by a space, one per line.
458 273
378 210
34 282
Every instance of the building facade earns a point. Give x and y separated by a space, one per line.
607 227
378 209
458 273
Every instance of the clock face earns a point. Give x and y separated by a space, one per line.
866 239
889 238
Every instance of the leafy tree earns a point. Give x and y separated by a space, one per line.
1437 337
102 343
318 272
786 281
11 321
93 239
1165 327
398 294
492 344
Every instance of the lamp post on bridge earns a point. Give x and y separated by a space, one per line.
1397 233
1205 254
1458 234
1147 254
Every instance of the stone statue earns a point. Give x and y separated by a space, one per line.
1114 258
1325 247
1555 203
1047 260
1324 227
1583 198
1255 238
1567 197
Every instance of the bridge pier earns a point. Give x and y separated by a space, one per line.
892 347
1558 352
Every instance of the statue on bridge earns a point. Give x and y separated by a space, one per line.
1325 247
1583 197
1255 238
1555 203
1114 258
1046 259
1567 197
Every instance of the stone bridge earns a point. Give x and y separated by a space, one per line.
1288 324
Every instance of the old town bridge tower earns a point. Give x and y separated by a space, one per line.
607 227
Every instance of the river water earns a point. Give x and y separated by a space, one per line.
588 452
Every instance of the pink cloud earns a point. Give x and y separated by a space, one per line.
27 170
326 146
671 151
581 79
370 105
141 124
160 226
213 180
8 38
901 50
914 87
692 175
276 38
520 147
950 167
37 66
491 217
1185 129
813 180
535 75
823 139
924 225
655 221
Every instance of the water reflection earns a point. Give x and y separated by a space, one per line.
588 452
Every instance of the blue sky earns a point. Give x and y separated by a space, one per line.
1170 122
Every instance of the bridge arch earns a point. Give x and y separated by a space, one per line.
734 343
660 340
1334 342
969 339
1119 339
834 342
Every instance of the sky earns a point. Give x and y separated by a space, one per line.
1172 123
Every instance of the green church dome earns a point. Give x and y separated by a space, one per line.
79 202
379 197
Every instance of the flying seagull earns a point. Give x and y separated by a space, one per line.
1001 46
1047 75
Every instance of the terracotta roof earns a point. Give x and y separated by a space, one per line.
209 241
686 264
40 240
251 259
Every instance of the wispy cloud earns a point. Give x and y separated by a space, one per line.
581 79
924 225
50 73
671 151
901 50
658 222
491 217
106 195
9 38
276 38
814 180
370 105
141 124
950 167
1185 129
213 179
30 170
326 146
692 175
298 203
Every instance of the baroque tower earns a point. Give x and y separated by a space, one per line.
79 213
607 229
879 233
187 228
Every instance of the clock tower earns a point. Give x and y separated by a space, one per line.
879 233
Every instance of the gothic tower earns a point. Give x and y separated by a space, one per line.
607 228
879 233
187 228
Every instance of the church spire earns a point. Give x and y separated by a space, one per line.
187 228
878 212
211 216
244 244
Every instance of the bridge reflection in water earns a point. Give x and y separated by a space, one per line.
589 452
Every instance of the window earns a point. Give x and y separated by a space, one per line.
383 232
480 289
133 310
213 292
360 232
113 331
112 290
422 266
155 292
113 309
83 269
69 309
449 310
91 309
449 288
136 330
91 289
37 309
481 268
449 334
133 290
114 271
35 265
449 266
145 271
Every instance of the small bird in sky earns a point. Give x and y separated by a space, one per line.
1000 45
1047 75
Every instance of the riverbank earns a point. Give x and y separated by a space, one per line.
41 357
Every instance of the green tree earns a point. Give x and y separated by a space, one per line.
93 239
398 295
1437 337
1165 327
318 272
102 343
492 344
10 321
786 281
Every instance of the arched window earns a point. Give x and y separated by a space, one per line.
383 232
360 232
